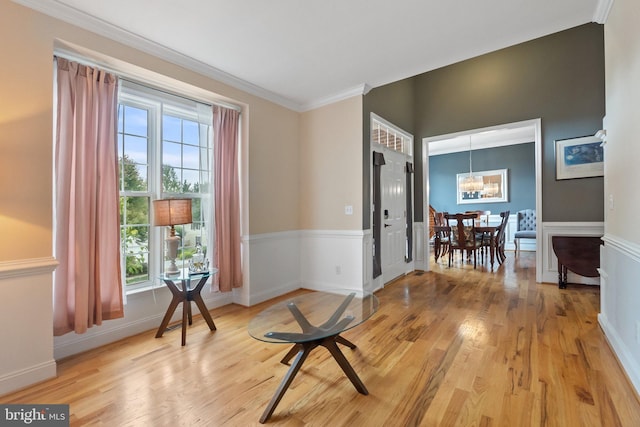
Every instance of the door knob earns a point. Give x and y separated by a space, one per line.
387 225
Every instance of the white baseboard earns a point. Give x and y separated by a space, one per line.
622 352
30 375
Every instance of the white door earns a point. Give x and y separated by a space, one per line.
394 219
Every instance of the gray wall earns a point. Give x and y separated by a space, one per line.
518 159
394 103
558 78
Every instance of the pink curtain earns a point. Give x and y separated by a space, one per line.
228 254
87 285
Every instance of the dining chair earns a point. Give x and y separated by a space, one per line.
483 219
499 238
463 235
526 226
442 233
432 224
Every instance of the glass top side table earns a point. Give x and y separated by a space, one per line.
185 293
308 321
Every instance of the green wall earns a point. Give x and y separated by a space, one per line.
558 78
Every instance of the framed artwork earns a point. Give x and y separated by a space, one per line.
579 158
495 187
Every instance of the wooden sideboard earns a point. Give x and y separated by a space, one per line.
579 254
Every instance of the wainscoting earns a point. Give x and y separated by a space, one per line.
26 320
313 259
619 316
549 260
277 263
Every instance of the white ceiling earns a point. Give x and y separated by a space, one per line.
305 53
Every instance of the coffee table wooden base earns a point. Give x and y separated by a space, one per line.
303 350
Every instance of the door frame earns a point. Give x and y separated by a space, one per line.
537 126
378 283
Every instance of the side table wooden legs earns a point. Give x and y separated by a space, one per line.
185 296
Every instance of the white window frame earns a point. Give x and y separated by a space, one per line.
406 139
158 104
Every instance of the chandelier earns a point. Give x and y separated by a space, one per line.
471 183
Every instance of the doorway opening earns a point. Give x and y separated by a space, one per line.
488 137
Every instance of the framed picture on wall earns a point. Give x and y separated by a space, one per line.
579 158
494 187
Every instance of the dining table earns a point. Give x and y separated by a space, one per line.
489 230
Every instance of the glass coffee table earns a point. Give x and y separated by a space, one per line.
308 321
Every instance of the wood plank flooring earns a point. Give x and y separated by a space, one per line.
452 347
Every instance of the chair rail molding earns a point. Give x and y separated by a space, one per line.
630 249
27 267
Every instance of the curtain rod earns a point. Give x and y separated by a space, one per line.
145 80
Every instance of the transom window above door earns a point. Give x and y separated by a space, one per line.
390 136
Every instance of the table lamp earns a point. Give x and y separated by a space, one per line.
172 212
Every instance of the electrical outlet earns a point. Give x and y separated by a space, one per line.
338 269
348 210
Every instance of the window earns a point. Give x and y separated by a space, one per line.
164 150
390 136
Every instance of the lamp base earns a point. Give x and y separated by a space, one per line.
172 270
172 252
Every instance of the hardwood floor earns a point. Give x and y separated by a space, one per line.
452 347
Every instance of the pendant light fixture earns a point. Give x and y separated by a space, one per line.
471 184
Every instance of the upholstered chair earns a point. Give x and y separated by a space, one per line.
526 226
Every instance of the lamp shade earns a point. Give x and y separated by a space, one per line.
171 211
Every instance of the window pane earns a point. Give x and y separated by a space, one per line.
135 121
191 157
171 179
190 132
135 148
136 251
190 181
171 128
171 155
133 177
137 210
137 268
196 211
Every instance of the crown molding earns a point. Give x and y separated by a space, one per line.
90 23
359 90
602 11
